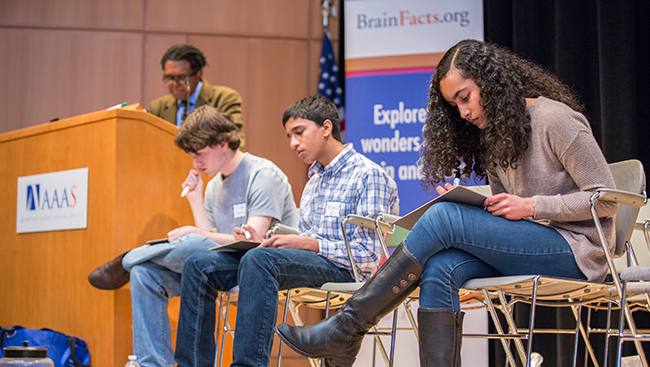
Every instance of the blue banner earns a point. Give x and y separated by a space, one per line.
388 125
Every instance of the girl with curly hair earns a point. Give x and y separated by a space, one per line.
490 113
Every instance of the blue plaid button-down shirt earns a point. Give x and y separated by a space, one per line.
350 184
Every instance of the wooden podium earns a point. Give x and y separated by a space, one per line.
134 182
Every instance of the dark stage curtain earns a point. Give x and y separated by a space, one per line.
600 48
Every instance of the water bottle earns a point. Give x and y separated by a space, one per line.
132 362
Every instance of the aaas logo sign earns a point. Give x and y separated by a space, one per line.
52 201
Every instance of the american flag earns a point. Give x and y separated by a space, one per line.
328 83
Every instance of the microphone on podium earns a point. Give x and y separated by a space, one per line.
187 100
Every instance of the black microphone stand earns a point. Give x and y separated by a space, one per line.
187 100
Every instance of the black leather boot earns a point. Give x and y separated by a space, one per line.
459 335
338 338
441 336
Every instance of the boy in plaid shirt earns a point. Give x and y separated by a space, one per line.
341 182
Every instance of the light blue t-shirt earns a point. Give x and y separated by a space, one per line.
257 188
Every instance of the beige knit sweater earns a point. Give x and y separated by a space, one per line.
562 168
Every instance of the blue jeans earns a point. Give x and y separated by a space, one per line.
262 273
155 278
456 242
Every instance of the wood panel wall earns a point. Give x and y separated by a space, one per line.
65 58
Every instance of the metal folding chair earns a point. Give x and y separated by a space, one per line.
333 295
539 290
635 281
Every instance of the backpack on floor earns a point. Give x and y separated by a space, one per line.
64 350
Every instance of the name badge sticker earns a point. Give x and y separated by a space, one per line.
333 209
238 210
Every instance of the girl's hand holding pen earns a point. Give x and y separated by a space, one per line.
448 187
511 207
443 189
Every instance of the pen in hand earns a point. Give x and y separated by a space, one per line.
246 233
456 180
191 182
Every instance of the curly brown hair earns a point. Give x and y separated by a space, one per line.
454 146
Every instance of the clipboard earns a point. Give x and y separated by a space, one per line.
458 194
236 246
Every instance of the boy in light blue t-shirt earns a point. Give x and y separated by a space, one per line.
245 189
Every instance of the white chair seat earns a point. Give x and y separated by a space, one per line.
641 272
350 287
548 288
